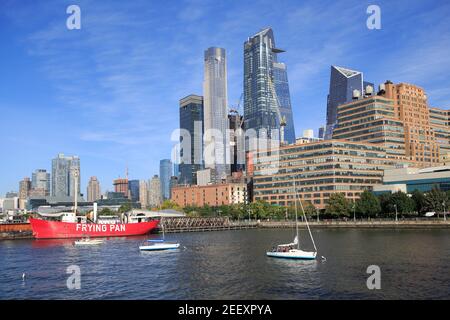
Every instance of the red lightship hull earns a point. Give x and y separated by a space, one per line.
44 229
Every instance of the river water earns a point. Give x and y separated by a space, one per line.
414 264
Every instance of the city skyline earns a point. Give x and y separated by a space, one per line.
113 122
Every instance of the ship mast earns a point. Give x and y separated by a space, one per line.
75 175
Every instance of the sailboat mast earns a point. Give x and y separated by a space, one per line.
307 224
296 219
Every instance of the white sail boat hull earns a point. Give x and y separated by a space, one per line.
160 246
293 254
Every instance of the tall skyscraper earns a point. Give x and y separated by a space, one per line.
93 190
191 126
343 82
261 103
143 194
40 182
154 192
63 175
215 111
284 100
165 172
133 189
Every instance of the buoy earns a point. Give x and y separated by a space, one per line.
23 276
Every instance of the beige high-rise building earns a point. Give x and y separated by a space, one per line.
24 191
154 192
143 194
411 108
93 190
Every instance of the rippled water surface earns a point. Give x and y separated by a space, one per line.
233 265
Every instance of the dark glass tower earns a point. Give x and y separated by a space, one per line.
133 187
342 83
262 84
284 100
191 123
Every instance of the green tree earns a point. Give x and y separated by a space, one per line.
169 204
368 205
420 201
338 206
434 200
400 201
125 208
106 212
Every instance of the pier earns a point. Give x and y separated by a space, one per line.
188 224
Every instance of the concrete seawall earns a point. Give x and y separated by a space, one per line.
359 224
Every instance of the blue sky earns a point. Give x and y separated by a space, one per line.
109 92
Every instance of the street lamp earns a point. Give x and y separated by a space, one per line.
445 214
395 206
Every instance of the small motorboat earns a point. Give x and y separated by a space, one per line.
154 245
87 241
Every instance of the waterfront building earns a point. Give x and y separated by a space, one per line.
133 190
143 194
261 106
440 122
93 190
284 99
319 169
343 83
373 120
215 110
24 191
40 182
412 109
154 192
410 179
165 172
65 169
191 138
212 195
121 185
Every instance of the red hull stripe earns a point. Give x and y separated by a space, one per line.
44 229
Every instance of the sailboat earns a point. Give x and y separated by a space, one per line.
159 244
292 250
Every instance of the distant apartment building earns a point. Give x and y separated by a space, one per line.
24 191
212 195
65 170
93 190
319 169
191 138
372 120
40 183
399 120
121 185
154 192
143 194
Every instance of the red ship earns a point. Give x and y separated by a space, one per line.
45 229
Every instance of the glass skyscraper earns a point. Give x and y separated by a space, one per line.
165 173
284 99
63 179
216 112
266 90
40 180
342 83
133 187
191 124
